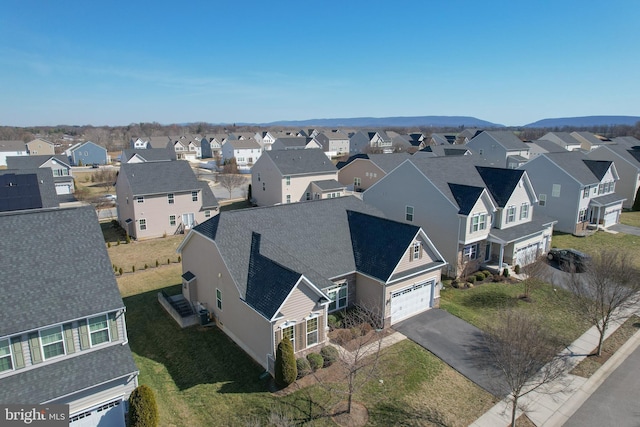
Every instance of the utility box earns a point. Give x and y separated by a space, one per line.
204 317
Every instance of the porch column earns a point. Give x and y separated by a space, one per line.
501 256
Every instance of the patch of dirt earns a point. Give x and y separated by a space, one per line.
524 421
358 416
330 374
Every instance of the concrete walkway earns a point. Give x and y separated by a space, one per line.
553 405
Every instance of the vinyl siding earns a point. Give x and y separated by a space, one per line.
364 169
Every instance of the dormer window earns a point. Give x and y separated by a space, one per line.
511 214
415 251
52 342
524 211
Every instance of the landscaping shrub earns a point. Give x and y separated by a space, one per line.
497 278
120 271
108 244
487 273
315 360
343 336
143 410
455 284
128 238
303 366
505 272
472 279
333 321
480 276
286 370
157 263
179 258
516 269
329 354
133 268
365 328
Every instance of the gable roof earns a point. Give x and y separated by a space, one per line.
506 139
293 141
27 189
300 162
598 167
573 163
465 196
500 182
86 143
73 280
548 146
148 154
243 144
13 146
33 162
209 200
160 177
563 139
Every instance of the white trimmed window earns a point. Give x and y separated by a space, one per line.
207 214
312 331
287 180
98 330
170 198
555 190
338 297
415 251
219 299
194 196
172 220
511 214
471 251
542 199
289 333
6 363
140 199
143 224
585 193
288 198
52 342
478 222
524 211
356 182
408 213
582 215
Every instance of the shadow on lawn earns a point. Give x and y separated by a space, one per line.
192 356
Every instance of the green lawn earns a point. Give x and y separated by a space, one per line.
630 218
600 240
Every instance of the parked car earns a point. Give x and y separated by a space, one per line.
110 197
569 259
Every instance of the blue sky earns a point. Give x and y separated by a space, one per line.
509 62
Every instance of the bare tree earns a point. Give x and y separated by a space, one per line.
536 271
608 286
230 181
105 178
526 354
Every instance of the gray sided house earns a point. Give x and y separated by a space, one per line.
627 161
63 337
475 214
58 164
162 198
12 148
147 155
576 191
361 171
87 153
500 148
266 273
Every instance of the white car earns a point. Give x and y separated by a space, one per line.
110 197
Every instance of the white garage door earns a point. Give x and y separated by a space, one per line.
527 254
110 414
63 189
611 218
411 300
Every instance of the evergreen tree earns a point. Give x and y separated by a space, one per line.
286 369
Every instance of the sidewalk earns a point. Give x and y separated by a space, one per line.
549 408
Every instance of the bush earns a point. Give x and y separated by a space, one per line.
120 271
487 273
455 284
179 258
315 360
168 261
333 322
133 268
143 410
303 366
128 238
146 266
480 276
505 272
286 370
108 244
157 263
472 279
329 354
497 278
118 242
516 269
343 336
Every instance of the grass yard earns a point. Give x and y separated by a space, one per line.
127 255
630 218
481 305
600 240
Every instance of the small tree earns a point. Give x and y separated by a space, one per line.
536 273
608 286
143 410
286 370
526 354
230 181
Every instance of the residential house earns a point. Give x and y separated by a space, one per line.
541 146
245 151
147 155
22 189
576 191
500 148
408 142
63 337
563 139
467 135
364 141
161 198
443 138
445 150
87 153
589 141
159 142
136 143
476 215
627 162
361 171
295 143
40 146
58 164
11 149
267 273
187 147
211 145
629 141
286 176
334 143
267 138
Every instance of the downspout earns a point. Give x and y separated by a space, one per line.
456 249
273 346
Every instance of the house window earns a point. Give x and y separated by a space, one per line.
542 199
52 342
585 193
258 176
194 196
6 364
478 222
555 190
207 214
170 198
408 213
312 331
140 199
524 211
511 214
288 332
98 330
308 196
287 180
582 215
415 252
263 186
470 252
143 224
288 198
338 297
356 182
219 299
172 220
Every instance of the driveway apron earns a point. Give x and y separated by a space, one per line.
457 343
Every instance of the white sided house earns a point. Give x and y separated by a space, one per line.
266 273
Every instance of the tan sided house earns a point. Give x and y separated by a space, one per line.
162 198
270 272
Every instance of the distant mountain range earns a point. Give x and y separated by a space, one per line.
586 121
362 122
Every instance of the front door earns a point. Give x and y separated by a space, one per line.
188 220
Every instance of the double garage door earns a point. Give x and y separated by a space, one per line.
527 254
109 414
411 300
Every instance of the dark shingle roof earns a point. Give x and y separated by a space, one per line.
13 145
208 198
598 167
466 196
148 155
33 162
160 177
340 165
43 178
506 139
500 182
378 244
572 162
68 375
74 276
299 162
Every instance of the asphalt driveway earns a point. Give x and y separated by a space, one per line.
626 229
457 343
